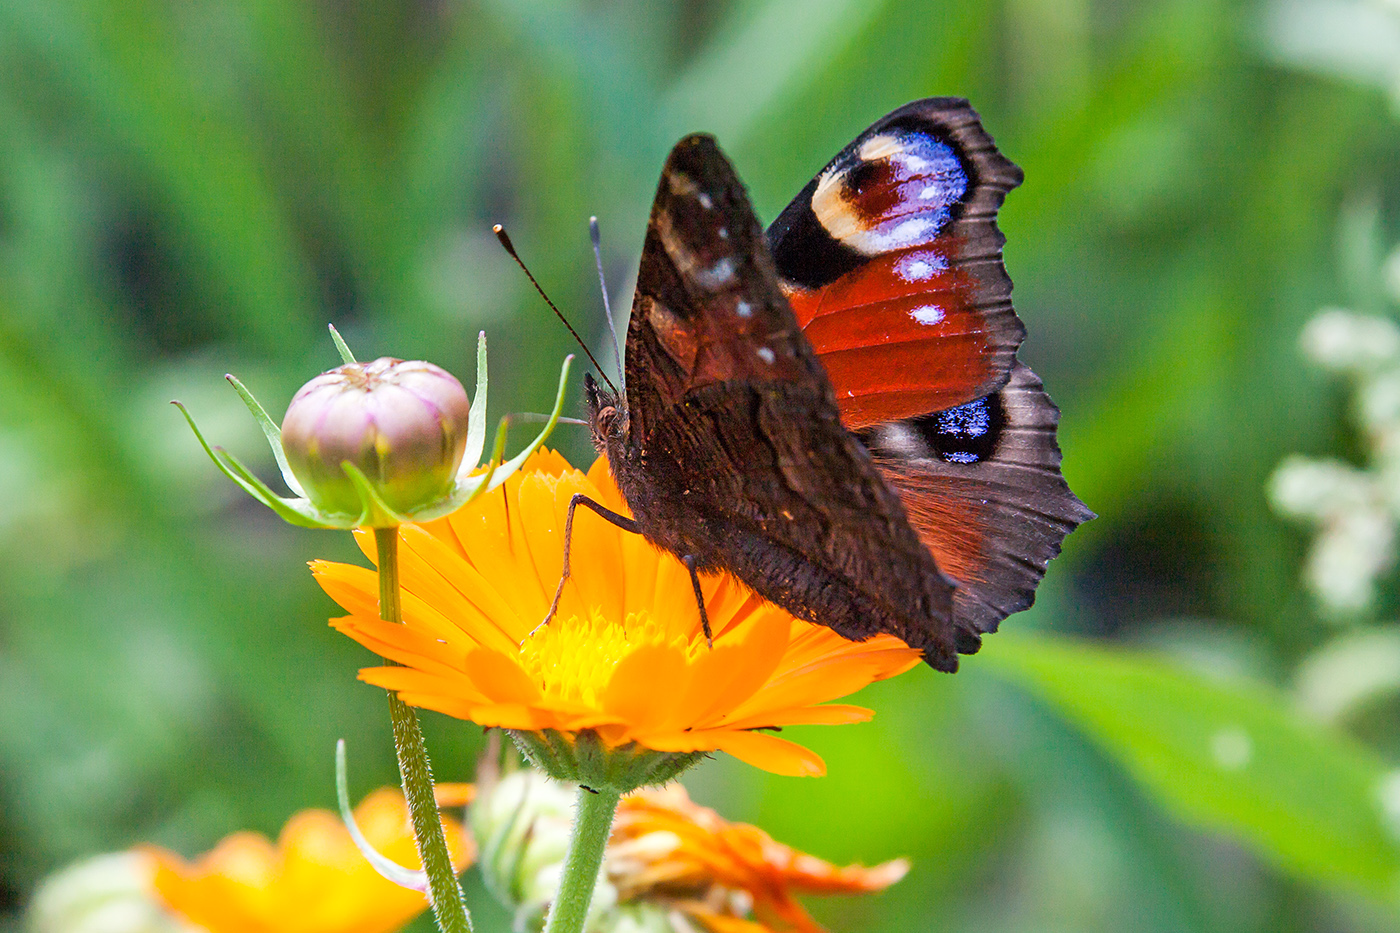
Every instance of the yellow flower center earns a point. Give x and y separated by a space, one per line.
572 659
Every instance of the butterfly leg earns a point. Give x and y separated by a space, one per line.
621 521
690 560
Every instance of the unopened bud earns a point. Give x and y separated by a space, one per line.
402 424
103 894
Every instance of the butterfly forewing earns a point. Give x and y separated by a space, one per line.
733 451
891 258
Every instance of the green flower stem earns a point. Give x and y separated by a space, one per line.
593 819
443 891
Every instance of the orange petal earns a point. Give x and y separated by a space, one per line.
500 677
595 552
401 643
356 589
771 753
645 686
434 573
411 680
732 682
832 714
840 674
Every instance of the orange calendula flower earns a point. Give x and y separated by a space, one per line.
313 880
667 851
625 657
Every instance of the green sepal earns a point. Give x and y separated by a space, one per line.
289 510
270 430
341 346
413 879
476 417
585 759
513 464
376 513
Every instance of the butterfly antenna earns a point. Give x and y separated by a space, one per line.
510 248
597 239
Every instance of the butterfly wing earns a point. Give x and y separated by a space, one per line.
732 450
891 258
981 483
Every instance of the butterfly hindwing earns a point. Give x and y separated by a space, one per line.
733 451
982 486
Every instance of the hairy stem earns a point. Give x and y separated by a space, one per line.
443 891
593 817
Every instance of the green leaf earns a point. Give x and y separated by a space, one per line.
1229 755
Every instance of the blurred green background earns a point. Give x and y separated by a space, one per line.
192 188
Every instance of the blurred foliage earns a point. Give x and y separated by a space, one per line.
198 187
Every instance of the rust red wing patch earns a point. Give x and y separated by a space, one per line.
900 336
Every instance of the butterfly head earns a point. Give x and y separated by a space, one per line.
607 415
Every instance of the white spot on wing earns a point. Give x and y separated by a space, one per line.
721 273
915 270
705 200
765 354
920 266
910 231
743 309
927 314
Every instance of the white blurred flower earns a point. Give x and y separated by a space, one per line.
103 894
1354 509
1345 341
1349 672
522 826
1318 489
1347 558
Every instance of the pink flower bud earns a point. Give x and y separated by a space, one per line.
402 424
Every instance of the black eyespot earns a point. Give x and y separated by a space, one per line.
863 173
965 434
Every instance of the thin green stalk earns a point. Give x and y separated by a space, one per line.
593 817
443 891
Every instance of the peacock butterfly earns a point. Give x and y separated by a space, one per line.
833 411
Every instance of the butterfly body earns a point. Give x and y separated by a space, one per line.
816 465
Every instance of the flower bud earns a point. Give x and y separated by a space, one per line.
108 893
402 424
522 826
